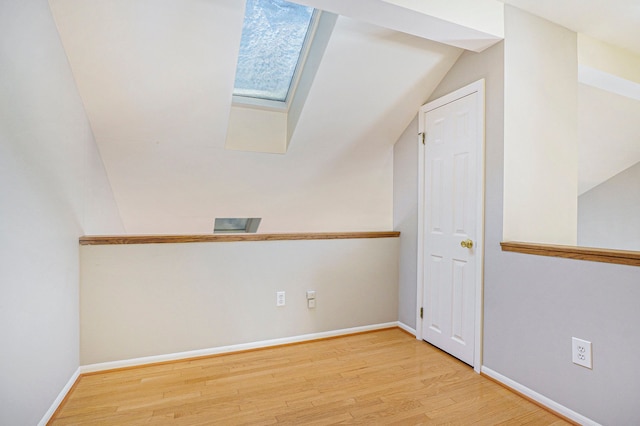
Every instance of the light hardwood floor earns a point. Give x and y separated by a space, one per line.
382 377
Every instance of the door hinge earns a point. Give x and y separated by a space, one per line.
422 136
421 312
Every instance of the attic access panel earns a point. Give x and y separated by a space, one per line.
274 36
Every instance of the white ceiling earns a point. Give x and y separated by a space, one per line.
616 22
156 78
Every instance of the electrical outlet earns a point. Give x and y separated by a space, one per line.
280 300
581 352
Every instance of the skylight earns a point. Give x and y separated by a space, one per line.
273 38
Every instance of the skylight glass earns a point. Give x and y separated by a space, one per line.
273 35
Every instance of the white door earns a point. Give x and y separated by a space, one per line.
451 217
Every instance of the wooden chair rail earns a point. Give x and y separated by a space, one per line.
160 239
622 257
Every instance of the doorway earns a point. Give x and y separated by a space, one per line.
451 223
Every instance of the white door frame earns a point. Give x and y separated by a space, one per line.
476 87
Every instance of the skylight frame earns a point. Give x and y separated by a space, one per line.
269 104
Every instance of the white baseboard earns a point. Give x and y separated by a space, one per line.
91 368
60 398
541 399
406 328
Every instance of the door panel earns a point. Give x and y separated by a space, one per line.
436 205
434 315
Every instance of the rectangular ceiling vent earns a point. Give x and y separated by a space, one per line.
236 225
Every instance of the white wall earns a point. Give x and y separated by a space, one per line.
52 180
608 214
541 83
155 299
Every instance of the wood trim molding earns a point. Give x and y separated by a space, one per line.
621 257
89 240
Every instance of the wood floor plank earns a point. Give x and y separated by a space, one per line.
381 377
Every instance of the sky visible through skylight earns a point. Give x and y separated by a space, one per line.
272 37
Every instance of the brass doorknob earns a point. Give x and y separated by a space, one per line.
467 243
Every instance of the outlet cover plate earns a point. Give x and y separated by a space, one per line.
280 298
581 352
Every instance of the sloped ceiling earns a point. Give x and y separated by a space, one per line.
156 78
148 70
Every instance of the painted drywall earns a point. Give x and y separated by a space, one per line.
54 188
258 130
159 97
155 299
608 58
608 214
483 15
476 31
535 305
608 110
470 67
541 165
405 219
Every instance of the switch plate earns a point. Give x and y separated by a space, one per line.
311 294
581 352
311 303
280 298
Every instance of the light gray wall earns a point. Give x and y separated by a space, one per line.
534 305
157 299
609 214
405 218
51 180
